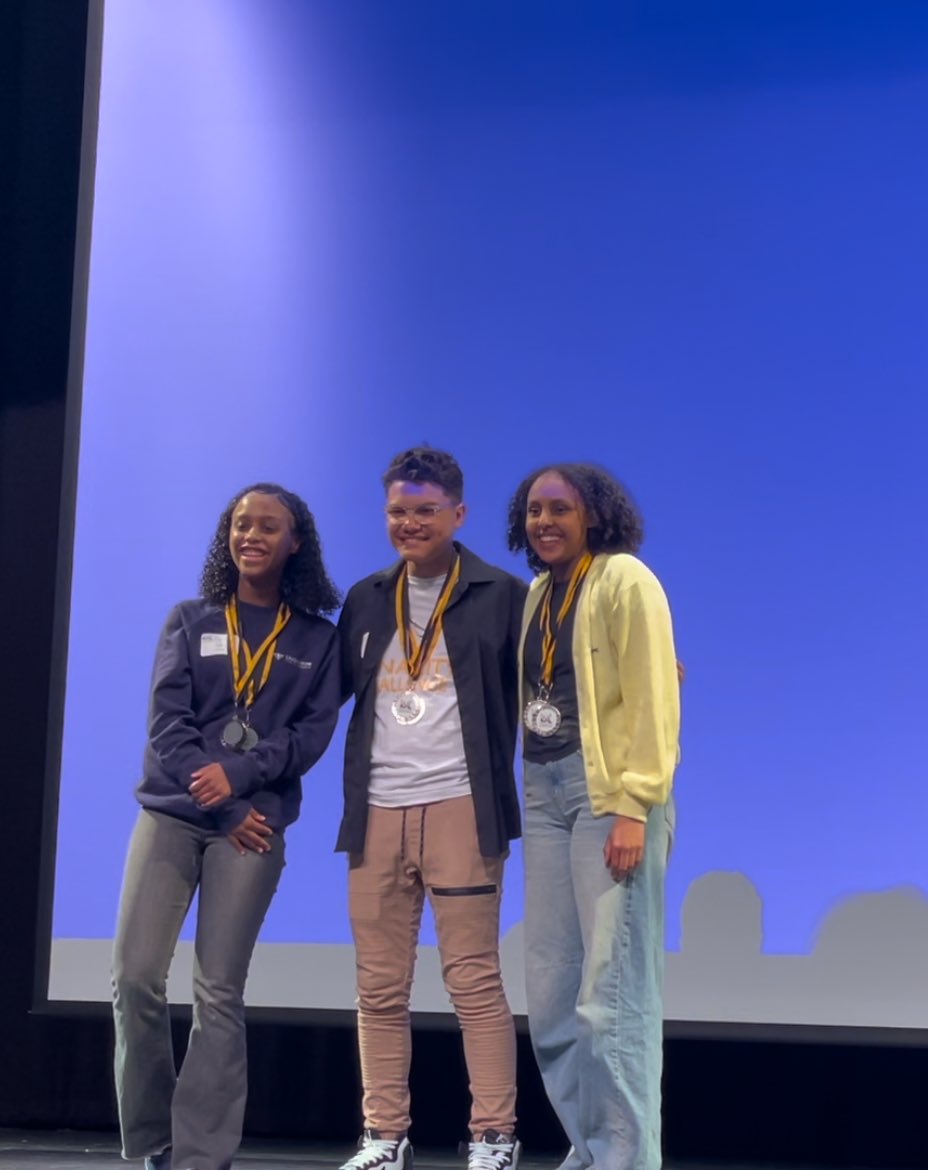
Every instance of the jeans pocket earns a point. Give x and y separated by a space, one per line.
574 788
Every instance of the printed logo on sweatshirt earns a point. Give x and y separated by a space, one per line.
293 661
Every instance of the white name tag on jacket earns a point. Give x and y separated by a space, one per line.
213 644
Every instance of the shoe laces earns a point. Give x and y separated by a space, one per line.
372 1153
494 1151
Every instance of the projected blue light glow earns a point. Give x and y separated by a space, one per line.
692 251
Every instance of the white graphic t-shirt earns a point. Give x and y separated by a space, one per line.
418 763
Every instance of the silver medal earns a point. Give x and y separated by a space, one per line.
407 708
233 735
541 717
239 736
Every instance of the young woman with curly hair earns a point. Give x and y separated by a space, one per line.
600 702
244 699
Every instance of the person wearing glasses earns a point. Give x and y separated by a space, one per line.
601 717
429 652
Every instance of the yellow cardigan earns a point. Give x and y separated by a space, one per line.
628 692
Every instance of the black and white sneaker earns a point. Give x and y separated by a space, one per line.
493 1151
160 1161
376 1153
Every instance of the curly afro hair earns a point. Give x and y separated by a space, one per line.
305 585
617 524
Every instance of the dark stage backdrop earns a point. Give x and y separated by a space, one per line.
683 238
808 1103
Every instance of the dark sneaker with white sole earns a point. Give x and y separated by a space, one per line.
493 1151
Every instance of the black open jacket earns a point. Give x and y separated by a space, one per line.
482 625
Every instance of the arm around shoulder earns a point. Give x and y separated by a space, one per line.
346 659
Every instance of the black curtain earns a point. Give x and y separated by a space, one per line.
824 1104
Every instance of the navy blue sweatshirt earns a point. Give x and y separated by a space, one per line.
191 701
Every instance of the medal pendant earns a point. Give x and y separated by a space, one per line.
250 740
408 708
234 734
541 717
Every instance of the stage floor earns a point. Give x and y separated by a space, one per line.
70 1151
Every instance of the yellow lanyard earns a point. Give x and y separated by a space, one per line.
416 653
243 681
549 634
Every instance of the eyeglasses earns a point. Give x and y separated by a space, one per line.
421 513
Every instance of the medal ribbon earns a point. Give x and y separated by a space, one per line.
244 684
549 633
416 653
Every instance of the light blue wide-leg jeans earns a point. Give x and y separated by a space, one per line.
594 960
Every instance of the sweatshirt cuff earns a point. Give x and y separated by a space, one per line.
242 773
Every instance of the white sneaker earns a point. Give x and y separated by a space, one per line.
376 1153
494 1151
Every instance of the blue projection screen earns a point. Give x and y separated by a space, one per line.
688 244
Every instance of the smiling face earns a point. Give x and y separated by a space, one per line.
261 541
421 523
556 523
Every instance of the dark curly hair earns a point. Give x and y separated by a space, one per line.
617 523
427 465
305 585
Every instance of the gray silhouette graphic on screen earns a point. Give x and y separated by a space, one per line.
866 967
